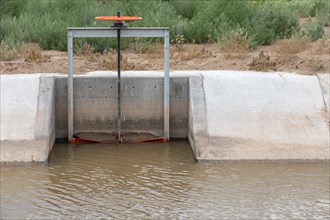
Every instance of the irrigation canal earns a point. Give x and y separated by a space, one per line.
160 181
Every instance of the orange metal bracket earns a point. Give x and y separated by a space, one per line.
161 139
77 140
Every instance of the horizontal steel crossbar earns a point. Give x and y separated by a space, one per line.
111 32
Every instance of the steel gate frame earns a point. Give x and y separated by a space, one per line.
125 32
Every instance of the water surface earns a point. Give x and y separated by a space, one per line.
161 181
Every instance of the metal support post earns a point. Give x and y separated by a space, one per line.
70 86
119 140
166 84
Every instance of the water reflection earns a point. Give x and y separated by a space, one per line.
161 181
125 178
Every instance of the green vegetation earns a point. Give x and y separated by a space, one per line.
259 22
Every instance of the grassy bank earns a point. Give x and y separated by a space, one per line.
252 22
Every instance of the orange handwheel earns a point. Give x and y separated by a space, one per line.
118 19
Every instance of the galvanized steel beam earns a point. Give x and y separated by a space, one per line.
112 32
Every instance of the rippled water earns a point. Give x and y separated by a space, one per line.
161 181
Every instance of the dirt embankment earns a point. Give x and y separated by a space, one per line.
296 56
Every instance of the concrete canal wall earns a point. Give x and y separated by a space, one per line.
27 118
253 116
226 115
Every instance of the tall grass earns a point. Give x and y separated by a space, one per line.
46 21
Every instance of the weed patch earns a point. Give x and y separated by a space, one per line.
179 40
235 46
34 56
141 46
323 47
293 46
262 62
317 65
194 54
109 62
7 52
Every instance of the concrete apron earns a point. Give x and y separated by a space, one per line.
226 115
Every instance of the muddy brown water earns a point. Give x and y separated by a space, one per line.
160 181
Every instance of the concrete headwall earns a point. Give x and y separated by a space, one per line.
226 115
27 118
142 105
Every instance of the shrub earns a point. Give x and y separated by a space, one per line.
186 8
7 52
270 23
312 30
323 14
53 36
199 21
11 8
